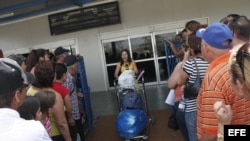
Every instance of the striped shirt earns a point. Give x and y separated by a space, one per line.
190 68
216 87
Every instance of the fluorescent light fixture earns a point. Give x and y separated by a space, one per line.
6 15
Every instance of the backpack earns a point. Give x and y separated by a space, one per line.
131 100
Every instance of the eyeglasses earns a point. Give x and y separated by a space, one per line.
241 54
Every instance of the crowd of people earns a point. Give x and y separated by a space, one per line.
218 55
215 58
39 97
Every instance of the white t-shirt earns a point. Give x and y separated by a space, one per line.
14 128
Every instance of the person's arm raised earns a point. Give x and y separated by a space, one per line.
177 53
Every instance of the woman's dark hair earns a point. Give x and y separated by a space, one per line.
183 31
192 25
194 43
60 69
180 35
33 58
129 57
47 100
228 19
44 74
240 27
233 15
29 107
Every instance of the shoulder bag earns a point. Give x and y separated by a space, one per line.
191 90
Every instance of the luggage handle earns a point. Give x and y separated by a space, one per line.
140 75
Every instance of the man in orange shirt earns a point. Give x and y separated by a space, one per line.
216 84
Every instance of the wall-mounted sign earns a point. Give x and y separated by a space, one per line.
84 18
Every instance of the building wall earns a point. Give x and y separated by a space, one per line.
134 13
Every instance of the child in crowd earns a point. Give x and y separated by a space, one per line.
47 100
38 107
30 109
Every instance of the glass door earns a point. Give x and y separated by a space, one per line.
161 57
147 47
143 54
112 50
147 50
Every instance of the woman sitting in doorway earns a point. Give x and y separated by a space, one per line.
126 63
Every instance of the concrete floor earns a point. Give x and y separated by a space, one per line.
105 103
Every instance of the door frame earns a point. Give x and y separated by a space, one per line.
151 30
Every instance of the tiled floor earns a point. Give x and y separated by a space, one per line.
105 103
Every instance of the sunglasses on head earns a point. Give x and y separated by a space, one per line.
242 54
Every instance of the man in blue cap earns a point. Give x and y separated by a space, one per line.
216 45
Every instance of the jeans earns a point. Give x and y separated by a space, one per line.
181 122
191 118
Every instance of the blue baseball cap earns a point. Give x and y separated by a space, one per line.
215 35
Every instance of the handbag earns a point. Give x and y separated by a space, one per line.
191 90
172 122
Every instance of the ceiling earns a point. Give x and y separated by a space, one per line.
13 10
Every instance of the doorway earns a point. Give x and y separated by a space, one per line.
146 49
146 46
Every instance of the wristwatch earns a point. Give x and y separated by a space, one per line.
220 136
